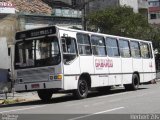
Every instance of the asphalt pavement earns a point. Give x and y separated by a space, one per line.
118 103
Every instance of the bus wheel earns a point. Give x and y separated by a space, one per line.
135 83
45 95
82 91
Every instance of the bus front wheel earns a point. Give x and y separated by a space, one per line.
135 83
82 91
45 95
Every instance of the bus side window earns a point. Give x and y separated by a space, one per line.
124 48
98 45
69 48
112 47
145 50
135 49
150 51
84 45
68 45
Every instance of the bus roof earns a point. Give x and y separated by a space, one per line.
96 33
52 29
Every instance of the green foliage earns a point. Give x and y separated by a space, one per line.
122 21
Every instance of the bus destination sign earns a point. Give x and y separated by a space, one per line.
35 33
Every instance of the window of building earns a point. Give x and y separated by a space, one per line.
153 16
145 50
124 48
154 3
158 15
84 45
98 45
135 49
112 47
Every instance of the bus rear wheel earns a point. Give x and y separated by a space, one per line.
135 83
45 95
82 91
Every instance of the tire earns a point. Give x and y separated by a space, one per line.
45 95
82 89
135 83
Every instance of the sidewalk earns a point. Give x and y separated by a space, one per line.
23 97
19 97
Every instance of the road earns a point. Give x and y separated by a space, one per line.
116 103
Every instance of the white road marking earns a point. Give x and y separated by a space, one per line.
22 109
106 111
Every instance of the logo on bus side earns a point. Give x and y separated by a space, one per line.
103 63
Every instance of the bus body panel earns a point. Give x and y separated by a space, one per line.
101 71
153 63
147 69
127 70
86 64
137 67
71 75
115 76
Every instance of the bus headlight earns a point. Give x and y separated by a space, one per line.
58 77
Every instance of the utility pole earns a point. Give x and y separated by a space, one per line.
84 27
83 7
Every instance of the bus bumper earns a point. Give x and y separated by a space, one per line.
24 87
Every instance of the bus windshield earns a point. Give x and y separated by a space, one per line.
37 53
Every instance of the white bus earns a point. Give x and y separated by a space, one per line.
54 59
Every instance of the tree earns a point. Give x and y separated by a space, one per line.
122 21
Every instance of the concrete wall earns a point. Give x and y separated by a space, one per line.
8 27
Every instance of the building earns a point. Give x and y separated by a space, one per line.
154 11
139 6
65 12
17 15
